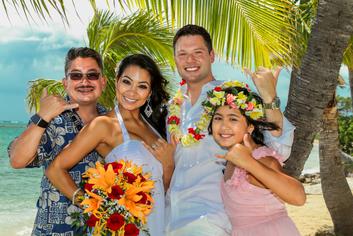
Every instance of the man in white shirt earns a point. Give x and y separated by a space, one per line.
194 204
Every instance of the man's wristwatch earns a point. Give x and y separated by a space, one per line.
38 121
275 104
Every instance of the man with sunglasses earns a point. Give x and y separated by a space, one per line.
54 126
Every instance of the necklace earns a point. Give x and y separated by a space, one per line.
194 134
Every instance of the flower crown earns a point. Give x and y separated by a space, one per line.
232 93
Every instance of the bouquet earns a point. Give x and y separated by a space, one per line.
117 199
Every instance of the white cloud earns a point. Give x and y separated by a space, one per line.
77 24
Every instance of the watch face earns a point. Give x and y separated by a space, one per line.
276 103
35 119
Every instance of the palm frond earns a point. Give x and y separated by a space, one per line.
36 88
348 55
38 7
249 33
305 17
116 37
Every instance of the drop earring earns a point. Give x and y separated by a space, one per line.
148 109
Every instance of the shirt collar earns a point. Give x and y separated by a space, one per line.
205 88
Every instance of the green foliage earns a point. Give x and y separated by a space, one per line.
344 105
115 38
43 9
345 124
36 88
247 33
348 54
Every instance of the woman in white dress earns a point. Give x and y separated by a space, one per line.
127 132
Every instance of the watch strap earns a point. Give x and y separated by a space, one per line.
39 121
275 104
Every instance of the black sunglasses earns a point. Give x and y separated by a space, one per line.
79 75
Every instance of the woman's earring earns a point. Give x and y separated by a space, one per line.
148 109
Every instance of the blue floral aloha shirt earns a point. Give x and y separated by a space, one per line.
54 209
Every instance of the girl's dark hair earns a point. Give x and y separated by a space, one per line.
259 125
159 96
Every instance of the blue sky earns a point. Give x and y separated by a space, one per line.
35 51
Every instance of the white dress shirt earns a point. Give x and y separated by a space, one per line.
194 191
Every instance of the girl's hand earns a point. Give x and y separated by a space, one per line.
265 82
241 154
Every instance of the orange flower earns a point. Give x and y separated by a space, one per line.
101 178
132 197
93 203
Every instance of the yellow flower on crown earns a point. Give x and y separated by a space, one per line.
235 94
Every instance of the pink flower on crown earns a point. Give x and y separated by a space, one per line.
250 106
230 100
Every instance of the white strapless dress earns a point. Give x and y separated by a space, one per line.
134 150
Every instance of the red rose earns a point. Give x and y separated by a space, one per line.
199 136
217 89
115 221
88 186
143 200
143 179
130 177
131 230
116 166
116 192
91 222
182 82
173 120
191 131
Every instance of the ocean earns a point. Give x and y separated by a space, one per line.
19 188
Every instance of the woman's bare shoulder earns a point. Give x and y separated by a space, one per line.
103 124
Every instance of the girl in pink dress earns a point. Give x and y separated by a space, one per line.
254 188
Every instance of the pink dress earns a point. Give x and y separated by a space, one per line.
253 210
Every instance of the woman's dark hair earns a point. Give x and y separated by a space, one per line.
159 96
259 125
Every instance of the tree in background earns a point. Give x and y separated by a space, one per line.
345 124
114 38
311 106
336 192
246 33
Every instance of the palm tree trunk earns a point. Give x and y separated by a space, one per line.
350 76
314 83
337 194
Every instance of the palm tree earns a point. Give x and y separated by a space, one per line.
337 194
311 100
315 80
243 30
248 33
42 9
114 38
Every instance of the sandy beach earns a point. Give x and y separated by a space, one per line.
313 215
